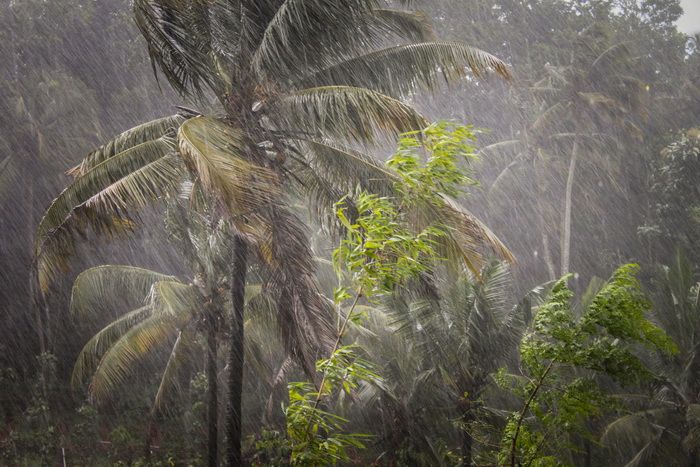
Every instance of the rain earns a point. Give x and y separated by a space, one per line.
358 232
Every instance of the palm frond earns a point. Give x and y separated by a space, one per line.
103 285
95 348
411 25
119 362
179 42
140 134
469 235
295 24
174 299
102 198
218 155
288 272
178 356
344 112
346 168
404 69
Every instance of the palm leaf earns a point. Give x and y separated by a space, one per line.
286 36
119 362
344 112
100 198
217 154
346 168
103 285
140 134
178 356
402 70
178 39
95 348
173 299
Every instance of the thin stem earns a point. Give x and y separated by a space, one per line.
523 412
319 395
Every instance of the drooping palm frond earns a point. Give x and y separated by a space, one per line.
173 299
95 348
469 234
344 112
346 168
219 156
179 41
288 272
644 438
169 381
404 69
349 37
102 198
282 46
121 360
411 25
103 285
149 131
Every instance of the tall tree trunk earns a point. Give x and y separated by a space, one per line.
467 442
235 361
566 220
547 255
212 396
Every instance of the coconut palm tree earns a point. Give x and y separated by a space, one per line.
186 316
439 351
298 84
591 105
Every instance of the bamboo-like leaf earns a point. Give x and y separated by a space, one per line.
402 70
101 286
218 155
344 112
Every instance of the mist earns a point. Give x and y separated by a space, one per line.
293 232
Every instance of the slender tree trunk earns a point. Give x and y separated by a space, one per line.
467 442
150 436
547 255
566 220
212 396
235 361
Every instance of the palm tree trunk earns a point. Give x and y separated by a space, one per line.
467 444
235 361
547 254
566 221
212 396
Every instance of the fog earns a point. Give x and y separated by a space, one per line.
309 232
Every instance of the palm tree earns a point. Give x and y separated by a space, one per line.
666 427
592 101
168 311
298 83
590 106
467 336
439 352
